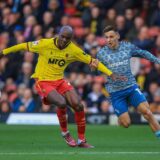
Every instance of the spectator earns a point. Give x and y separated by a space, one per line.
27 11
153 87
90 42
94 23
24 77
5 107
37 9
95 98
26 103
47 21
155 106
106 107
30 22
129 15
134 30
143 40
37 32
121 26
56 10
155 16
110 18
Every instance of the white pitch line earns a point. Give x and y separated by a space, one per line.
77 153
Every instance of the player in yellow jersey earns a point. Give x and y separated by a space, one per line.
55 55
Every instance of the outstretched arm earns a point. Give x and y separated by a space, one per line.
86 58
35 46
16 48
137 52
94 63
114 77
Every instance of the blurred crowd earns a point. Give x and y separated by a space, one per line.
30 20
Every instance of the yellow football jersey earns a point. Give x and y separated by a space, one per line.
52 61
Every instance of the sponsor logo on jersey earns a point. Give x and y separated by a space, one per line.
125 62
60 62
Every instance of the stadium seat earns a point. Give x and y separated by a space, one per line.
101 41
70 11
75 22
79 32
154 31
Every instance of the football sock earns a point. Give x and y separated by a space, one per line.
157 133
61 113
81 124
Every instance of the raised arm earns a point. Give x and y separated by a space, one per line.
137 52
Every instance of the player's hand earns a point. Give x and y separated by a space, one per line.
116 77
94 64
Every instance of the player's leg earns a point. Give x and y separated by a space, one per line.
55 98
74 101
120 106
62 117
121 109
124 120
49 95
143 108
138 100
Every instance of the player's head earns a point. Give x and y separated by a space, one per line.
112 36
65 36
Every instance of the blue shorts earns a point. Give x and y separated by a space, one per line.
124 98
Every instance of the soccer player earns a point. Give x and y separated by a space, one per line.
54 56
116 56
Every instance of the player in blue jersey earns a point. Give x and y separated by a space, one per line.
116 56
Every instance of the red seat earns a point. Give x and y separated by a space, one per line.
154 31
79 32
75 22
101 41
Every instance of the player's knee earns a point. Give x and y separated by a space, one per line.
147 114
125 123
79 107
62 103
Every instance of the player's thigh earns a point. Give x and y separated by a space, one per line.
73 99
48 93
55 98
120 105
136 98
143 108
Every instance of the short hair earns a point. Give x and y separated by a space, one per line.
109 28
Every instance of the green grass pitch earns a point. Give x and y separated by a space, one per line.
45 143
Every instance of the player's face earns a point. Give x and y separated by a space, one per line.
64 38
112 38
